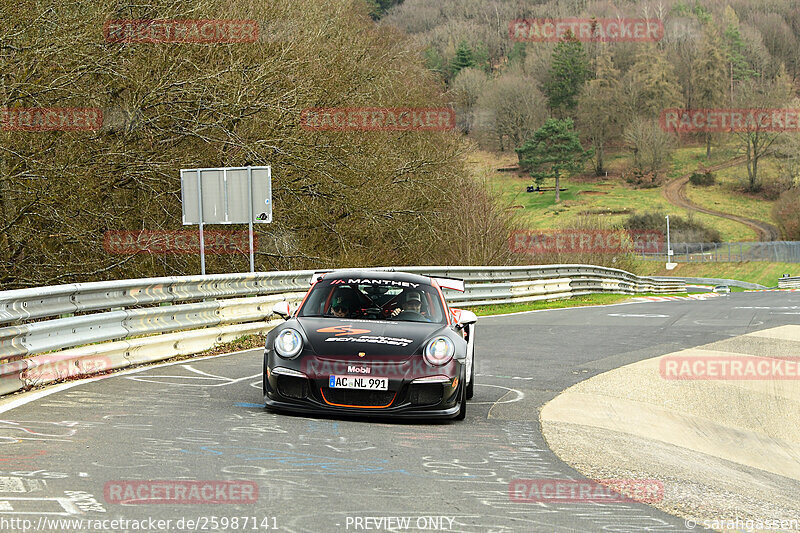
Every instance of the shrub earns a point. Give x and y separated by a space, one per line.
772 189
785 214
702 178
681 229
623 258
641 179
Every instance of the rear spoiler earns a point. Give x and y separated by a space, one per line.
450 283
316 276
445 283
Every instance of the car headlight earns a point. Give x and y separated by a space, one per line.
439 351
288 343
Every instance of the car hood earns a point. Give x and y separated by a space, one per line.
330 336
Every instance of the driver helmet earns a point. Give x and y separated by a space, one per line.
414 297
339 302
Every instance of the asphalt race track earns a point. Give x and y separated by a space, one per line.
203 420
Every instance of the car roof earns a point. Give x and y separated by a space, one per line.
388 275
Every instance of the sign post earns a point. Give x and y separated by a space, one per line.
670 265
226 195
250 217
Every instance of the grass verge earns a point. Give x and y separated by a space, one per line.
763 273
613 199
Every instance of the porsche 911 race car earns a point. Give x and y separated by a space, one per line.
372 343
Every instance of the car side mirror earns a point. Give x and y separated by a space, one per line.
466 318
282 309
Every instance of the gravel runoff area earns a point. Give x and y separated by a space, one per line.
724 449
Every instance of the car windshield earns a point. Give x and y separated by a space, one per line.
374 299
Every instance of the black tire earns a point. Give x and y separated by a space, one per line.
471 386
462 412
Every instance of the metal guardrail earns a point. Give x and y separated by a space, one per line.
42 302
95 327
789 283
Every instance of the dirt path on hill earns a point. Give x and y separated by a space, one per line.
675 193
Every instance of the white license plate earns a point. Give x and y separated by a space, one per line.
358 382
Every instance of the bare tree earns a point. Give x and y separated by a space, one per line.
516 109
760 95
467 88
651 146
340 198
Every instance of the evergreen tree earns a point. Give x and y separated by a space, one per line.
568 71
739 67
702 13
433 60
553 151
684 10
517 53
708 75
463 59
654 82
597 109
480 57
377 8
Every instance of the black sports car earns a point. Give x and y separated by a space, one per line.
372 343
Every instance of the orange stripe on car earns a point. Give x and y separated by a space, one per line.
357 406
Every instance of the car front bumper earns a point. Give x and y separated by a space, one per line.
410 396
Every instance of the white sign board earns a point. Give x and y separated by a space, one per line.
232 195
